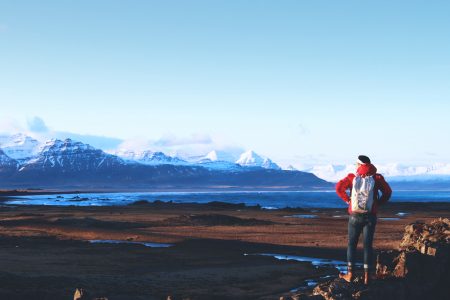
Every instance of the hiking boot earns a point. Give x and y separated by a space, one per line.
347 277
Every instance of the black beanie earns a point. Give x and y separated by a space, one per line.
363 159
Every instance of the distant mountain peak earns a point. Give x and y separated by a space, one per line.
66 145
220 155
217 160
71 155
251 159
20 147
212 156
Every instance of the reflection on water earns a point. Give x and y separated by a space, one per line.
340 265
269 207
302 216
315 261
402 214
146 244
266 199
308 284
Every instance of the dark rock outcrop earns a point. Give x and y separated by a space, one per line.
419 269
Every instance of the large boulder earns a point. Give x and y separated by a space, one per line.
431 239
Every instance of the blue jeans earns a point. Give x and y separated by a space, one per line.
358 223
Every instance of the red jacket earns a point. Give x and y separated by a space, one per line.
380 185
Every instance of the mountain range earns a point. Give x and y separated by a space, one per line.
394 172
400 177
26 162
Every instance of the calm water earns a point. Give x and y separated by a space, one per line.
269 200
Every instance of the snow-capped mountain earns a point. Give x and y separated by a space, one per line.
159 158
72 164
399 172
217 155
214 160
20 146
331 172
251 159
218 160
149 157
393 172
71 155
22 152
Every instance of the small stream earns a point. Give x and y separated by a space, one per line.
315 261
340 265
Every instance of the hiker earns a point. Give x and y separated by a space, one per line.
363 202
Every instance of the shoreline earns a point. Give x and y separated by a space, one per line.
175 189
219 189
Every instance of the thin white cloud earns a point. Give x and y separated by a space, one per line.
38 129
194 139
135 144
184 147
97 141
188 146
10 126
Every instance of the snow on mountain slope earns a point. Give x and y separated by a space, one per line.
27 152
399 172
392 170
71 156
217 160
252 159
217 155
20 146
149 157
159 158
6 162
212 160
330 172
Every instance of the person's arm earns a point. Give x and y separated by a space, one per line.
385 189
343 185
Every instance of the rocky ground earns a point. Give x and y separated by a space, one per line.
45 251
419 269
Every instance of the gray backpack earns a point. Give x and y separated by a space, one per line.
362 197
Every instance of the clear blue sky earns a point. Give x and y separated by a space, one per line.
294 80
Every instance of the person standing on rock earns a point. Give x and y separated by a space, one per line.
363 202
